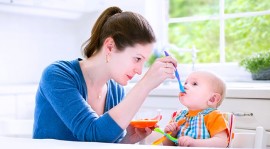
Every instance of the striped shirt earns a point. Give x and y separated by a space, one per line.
201 124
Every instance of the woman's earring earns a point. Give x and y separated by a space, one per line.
107 58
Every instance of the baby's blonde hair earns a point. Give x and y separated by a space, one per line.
219 86
217 83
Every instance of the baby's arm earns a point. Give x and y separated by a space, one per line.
218 140
173 128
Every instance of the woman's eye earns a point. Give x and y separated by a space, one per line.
137 59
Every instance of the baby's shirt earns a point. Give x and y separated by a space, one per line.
201 124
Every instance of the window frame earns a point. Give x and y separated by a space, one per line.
222 17
227 66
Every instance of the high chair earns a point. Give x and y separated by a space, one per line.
229 117
239 139
255 139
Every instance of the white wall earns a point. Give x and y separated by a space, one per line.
28 43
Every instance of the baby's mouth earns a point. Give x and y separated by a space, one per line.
182 94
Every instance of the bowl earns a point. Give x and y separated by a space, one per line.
143 123
145 119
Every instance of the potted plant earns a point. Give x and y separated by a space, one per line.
258 65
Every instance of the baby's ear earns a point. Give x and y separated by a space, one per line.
214 100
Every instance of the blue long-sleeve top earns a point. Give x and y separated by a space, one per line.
62 112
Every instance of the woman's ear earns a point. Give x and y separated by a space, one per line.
109 44
108 47
214 100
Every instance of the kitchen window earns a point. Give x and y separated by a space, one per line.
216 34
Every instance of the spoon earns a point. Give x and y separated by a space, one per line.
165 134
177 76
158 141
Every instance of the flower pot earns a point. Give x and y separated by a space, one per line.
261 75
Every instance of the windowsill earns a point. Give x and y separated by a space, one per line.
247 90
238 80
229 72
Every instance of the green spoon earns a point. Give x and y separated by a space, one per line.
166 135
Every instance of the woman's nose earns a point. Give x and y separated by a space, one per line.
138 71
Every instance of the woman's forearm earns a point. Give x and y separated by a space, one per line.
125 111
156 74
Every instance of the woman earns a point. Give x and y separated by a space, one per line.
84 99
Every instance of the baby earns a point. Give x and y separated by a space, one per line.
201 124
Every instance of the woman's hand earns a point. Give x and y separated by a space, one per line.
135 135
160 70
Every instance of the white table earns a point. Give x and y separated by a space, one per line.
17 143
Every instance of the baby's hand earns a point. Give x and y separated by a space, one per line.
185 141
171 127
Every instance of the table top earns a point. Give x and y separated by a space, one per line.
15 143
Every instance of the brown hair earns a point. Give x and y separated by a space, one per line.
126 29
217 84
